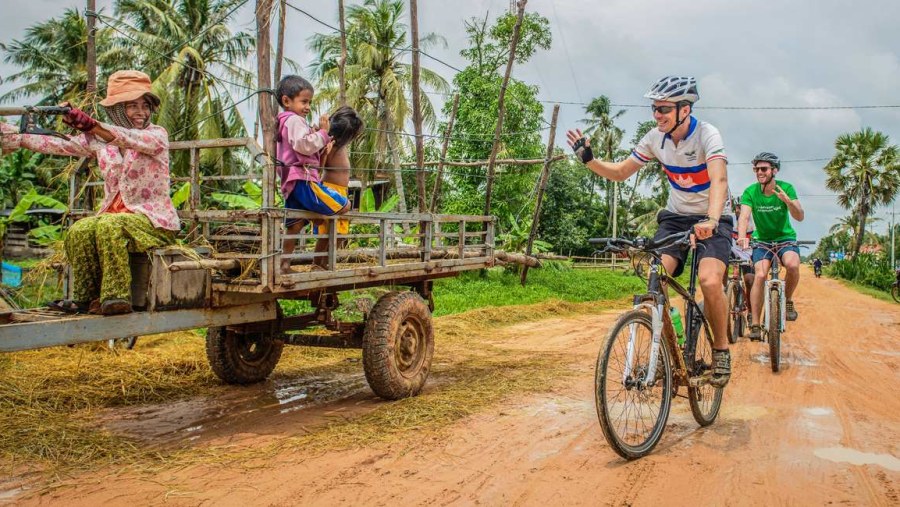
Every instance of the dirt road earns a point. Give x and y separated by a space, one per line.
824 430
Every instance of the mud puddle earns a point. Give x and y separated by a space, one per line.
855 457
285 406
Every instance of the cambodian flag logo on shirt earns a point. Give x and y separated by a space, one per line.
688 179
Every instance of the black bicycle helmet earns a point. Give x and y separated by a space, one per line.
765 156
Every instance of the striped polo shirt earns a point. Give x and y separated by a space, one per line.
685 165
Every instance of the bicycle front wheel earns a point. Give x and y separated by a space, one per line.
895 293
705 400
775 329
632 415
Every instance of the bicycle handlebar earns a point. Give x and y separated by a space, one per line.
778 245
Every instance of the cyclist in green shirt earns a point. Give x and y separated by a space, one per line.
772 203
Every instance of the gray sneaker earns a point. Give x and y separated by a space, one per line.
755 333
790 313
721 368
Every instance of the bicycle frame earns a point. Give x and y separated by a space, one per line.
656 301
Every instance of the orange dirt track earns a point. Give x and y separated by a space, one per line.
824 430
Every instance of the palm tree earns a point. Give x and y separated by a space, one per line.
184 44
53 54
378 80
866 173
606 137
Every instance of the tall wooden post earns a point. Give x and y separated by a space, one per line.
417 105
264 76
545 175
501 107
279 48
436 193
270 227
91 15
343 61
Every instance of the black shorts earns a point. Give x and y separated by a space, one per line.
718 246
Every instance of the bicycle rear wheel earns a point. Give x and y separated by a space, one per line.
705 400
734 314
775 329
632 416
895 293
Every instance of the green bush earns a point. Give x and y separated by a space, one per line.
865 269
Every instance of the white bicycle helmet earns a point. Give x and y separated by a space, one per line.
674 89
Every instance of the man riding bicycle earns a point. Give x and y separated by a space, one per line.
817 266
692 155
772 203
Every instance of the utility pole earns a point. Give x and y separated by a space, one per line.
279 48
893 228
343 62
545 175
417 106
91 15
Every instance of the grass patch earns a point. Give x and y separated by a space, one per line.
868 291
495 287
51 398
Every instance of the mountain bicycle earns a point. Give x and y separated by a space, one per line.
772 321
737 300
644 361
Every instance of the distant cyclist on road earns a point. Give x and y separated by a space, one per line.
692 155
817 266
772 203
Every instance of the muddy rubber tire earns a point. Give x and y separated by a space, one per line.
242 358
609 382
734 317
706 400
895 293
126 343
774 334
398 344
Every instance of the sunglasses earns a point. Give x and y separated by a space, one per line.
663 109
761 169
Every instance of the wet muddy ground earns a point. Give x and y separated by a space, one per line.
825 430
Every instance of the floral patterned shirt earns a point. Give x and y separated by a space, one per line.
134 166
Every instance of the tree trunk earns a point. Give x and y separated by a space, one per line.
417 107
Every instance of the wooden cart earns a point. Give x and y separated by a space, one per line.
232 284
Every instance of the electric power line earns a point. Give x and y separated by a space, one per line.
338 30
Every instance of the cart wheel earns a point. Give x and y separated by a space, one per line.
242 358
126 343
398 343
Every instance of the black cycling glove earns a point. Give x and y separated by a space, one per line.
585 151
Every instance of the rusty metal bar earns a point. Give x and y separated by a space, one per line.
82 329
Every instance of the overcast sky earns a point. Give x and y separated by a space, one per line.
744 53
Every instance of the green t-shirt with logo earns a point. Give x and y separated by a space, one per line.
770 215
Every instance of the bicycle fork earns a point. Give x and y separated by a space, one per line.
656 310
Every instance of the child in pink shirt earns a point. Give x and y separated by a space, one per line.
299 150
